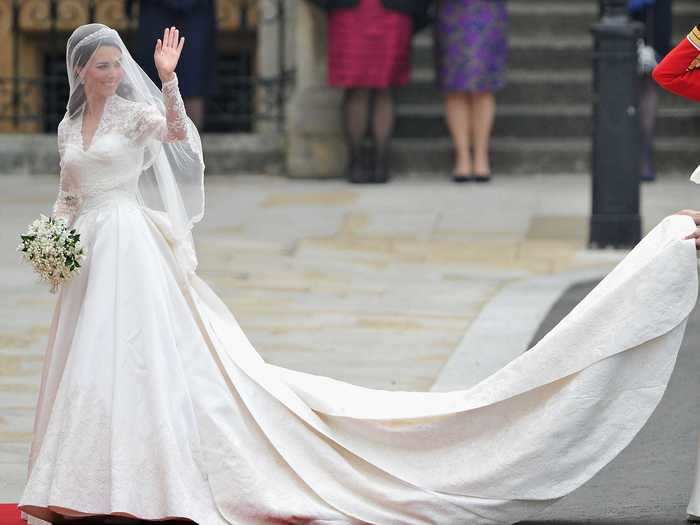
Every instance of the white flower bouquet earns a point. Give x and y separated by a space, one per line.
53 250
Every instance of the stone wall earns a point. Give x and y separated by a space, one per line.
24 47
315 146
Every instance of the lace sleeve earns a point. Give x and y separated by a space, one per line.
151 124
68 199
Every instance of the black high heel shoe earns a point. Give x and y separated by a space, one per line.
484 177
461 177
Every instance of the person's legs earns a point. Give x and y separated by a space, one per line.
483 113
194 107
457 114
355 120
382 130
197 65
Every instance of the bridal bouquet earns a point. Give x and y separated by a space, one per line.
53 250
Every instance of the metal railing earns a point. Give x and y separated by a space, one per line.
34 92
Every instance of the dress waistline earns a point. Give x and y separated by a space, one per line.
96 201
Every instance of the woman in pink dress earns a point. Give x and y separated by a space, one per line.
369 53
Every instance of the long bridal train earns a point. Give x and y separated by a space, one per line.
163 408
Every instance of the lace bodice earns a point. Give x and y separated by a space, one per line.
114 159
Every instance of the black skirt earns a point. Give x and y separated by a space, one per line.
196 70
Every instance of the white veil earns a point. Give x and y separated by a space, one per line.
172 181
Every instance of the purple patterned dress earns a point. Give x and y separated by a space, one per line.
471 45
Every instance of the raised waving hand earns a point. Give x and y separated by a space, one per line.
167 53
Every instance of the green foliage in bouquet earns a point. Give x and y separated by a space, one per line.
53 250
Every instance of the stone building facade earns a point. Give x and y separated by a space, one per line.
293 114
543 122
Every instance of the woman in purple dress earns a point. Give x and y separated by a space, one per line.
471 49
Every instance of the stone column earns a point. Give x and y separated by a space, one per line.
273 58
315 143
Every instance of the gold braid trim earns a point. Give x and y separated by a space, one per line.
694 37
694 64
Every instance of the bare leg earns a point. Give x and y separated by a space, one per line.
194 107
457 113
355 122
484 110
382 129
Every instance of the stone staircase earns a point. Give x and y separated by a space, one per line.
543 121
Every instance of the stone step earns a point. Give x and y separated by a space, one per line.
533 23
523 87
510 155
533 52
543 122
541 87
557 120
526 53
557 18
241 153
551 19
223 154
681 6
593 4
566 19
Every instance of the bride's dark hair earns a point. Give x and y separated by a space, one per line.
81 58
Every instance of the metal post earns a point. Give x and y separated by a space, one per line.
616 154
92 10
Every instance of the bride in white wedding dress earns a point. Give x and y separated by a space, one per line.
154 405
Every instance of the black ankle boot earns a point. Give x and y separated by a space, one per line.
357 172
380 168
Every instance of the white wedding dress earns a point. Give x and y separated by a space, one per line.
153 403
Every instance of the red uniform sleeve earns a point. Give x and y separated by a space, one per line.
679 71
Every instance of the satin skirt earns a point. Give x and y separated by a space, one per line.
154 404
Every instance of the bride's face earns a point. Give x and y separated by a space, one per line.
103 72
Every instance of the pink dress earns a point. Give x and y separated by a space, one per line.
369 46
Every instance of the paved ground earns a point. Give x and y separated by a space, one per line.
375 285
649 483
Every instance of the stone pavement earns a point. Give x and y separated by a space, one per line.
375 285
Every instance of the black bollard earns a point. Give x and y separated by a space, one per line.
617 139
